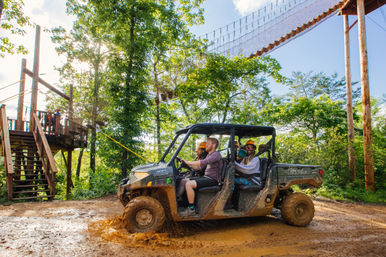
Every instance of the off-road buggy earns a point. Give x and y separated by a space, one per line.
149 193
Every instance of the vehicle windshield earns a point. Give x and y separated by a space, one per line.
188 151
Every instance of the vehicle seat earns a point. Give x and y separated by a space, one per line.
264 162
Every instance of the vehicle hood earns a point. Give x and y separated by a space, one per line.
151 168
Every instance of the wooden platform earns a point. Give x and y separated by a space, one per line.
29 154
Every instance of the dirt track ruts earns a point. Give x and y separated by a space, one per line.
92 228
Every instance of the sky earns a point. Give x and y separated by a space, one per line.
320 50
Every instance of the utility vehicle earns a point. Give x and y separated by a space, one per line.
149 193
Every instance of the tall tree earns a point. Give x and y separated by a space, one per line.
136 30
312 85
312 116
84 45
222 85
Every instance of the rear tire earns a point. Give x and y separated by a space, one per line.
143 214
298 209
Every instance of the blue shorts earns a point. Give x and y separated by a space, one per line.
247 181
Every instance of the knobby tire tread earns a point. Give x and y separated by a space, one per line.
288 209
139 203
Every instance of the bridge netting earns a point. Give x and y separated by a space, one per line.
269 24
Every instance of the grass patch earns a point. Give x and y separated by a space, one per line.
353 192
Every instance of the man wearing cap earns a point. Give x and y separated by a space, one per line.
249 167
201 155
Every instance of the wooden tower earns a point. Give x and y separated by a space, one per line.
29 146
359 8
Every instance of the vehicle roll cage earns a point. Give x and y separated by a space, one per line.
233 130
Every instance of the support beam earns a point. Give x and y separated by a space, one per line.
35 77
71 108
367 134
47 85
350 120
20 105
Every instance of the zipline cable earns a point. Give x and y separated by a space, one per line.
14 96
143 158
377 23
1 88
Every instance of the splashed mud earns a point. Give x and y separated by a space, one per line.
94 228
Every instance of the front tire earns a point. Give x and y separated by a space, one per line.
298 209
143 214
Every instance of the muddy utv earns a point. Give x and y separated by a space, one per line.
149 193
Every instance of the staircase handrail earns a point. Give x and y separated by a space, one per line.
44 149
6 143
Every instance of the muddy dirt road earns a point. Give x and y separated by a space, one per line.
92 228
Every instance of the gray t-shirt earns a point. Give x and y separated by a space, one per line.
213 165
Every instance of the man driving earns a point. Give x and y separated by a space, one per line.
213 164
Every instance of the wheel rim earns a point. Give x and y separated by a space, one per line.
301 210
144 218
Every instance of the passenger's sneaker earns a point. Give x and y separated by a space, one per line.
188 212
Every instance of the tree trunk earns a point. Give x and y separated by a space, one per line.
367 133
79 163
124 164
158 119
94 110
69 180
350 120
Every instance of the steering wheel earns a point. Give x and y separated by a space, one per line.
179 164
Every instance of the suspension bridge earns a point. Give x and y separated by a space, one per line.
275 24
279 22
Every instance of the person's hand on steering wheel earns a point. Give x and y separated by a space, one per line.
182 164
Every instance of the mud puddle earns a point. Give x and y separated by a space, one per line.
94 228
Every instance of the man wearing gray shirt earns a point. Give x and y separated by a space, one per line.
211 176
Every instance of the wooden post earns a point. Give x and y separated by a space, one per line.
69 180
71 108
367 135
57 124
20 105
6 144
350 122
35 77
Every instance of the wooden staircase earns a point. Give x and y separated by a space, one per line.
29 180
29 163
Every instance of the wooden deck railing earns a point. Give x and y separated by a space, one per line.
5 142
45 153
52 125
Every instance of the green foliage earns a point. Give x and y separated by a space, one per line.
220 86
137 51
13 21
351 192
311 85
89 185
136 29
102 182
330 153
3 185
84 45
312 116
